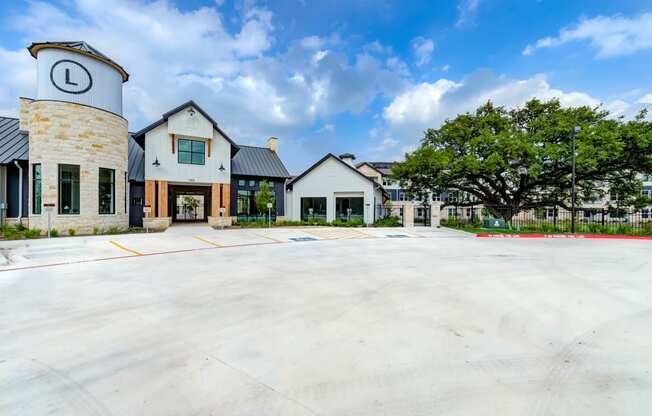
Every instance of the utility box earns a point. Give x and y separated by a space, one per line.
494 223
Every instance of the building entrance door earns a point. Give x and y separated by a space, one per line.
189 203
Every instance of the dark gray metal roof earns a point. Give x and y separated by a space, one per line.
136 161
14 144
258 161
81 47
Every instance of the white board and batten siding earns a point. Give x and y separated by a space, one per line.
331 180
158 146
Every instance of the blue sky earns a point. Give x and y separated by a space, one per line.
365 77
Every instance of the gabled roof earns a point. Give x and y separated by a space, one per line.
370 165
322 160
385 168
82 48
14 143
140 135
136 159
258 161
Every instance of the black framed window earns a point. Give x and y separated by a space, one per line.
36 189
106 191
68 189
349 208
191 152
313 209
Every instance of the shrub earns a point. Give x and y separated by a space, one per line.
54 232
96 231
71 232
20 227
33 233
388 222
113 230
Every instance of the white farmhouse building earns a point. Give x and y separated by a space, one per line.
333 189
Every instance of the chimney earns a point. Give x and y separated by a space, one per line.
348 158
272 144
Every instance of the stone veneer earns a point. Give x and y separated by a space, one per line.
67 133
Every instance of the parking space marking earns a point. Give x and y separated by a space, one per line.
268 238
123 248
365 235
212 243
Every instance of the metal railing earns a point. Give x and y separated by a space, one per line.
587 220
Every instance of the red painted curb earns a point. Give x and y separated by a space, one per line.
567 236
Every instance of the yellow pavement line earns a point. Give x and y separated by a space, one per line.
320 236
128 250
365 234
212 243
269 238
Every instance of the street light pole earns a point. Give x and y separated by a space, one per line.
576 129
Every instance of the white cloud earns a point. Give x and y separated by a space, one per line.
423 49
174 55
428 105
326 128
611 36
646 99
445 68
467 9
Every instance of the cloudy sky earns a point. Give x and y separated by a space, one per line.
365 77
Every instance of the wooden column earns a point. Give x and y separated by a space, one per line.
226 199
215 200
162 198
172 141
150 197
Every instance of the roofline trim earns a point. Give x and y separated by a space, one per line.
190 103
35 47
371 166
289 184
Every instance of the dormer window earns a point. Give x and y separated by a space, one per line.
191 152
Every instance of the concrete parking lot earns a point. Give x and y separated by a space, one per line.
323 321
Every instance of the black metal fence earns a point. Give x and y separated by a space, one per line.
619 221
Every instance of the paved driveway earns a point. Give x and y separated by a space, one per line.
430 323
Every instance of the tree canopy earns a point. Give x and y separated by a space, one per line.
263 197
521 158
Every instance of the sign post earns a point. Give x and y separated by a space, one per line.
146 210
269 214
49 208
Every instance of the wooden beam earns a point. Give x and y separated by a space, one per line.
226 199
150 197
215 200
209 147
172 137
163 198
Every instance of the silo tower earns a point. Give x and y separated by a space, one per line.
78 139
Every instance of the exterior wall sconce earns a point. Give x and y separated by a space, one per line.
221 169
191 112
156 162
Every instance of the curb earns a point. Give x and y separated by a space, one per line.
567 236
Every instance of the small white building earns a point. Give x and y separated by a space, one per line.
333 189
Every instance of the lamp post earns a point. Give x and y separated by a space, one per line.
576 129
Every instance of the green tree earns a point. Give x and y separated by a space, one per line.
513 160
190 204
263 197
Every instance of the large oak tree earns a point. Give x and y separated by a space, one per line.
516 159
